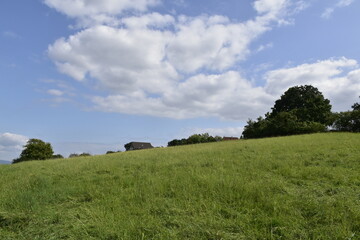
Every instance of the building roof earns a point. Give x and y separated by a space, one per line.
141 145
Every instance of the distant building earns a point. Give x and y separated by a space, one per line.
230 138
137 146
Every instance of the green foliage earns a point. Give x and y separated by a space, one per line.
57 156
74 155
84 154
299 187
110 152
35 149
300 110
305 102
127 146
356 106
194 139
348 121
283 124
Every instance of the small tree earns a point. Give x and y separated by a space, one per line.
356 106
127 146
348 121
35 149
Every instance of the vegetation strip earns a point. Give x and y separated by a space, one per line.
298 187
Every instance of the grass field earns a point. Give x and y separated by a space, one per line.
299 187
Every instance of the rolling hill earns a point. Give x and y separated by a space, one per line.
298 187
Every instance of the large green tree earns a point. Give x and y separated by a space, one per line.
35 149
301 109
305 102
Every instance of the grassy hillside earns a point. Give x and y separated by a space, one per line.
300 187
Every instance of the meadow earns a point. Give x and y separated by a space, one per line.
297 187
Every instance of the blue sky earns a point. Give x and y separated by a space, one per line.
90 76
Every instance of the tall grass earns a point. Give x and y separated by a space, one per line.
301 187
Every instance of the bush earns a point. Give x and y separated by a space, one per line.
283 124
194 139
348 121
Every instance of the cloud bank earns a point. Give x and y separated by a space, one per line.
148 63
11 145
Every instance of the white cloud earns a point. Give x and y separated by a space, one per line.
344 3
226 96
121 60
12 140
211 42
340 4
55 92
178 67
264 47
229 96
11 145
90 12
145 54
10 34
270 6
337 79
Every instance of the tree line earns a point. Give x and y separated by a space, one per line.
300 110
195 138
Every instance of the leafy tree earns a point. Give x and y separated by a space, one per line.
348 121
127 146
301 109
84 154
35 149
218 138
283 124
356 106
57 156
72 155
305 102
194 139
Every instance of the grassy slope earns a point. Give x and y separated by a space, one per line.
301 187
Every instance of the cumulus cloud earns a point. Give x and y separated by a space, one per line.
229 96
89 12
340 4
10 145
337 79
183 67
143 51
199 96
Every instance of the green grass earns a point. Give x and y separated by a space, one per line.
299 187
